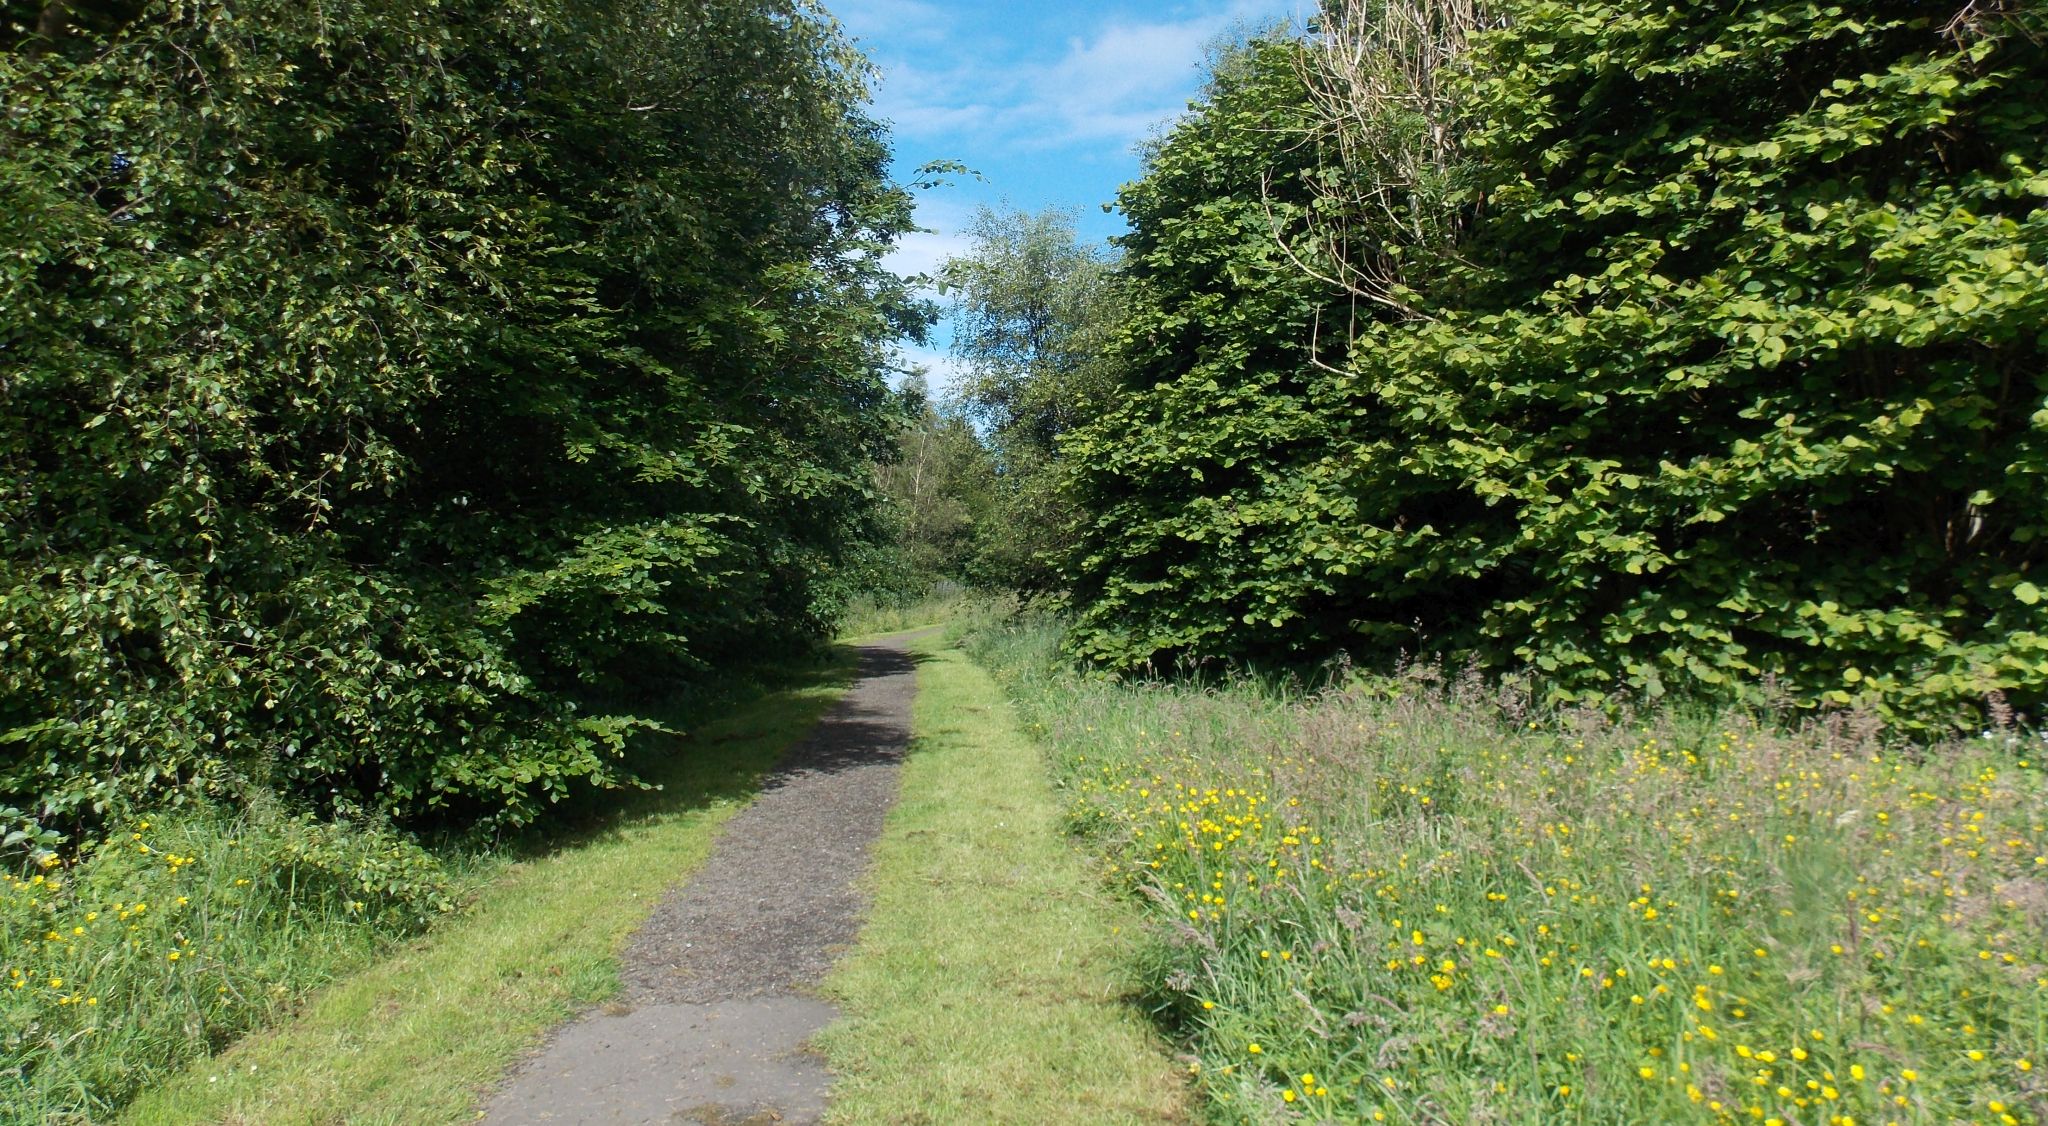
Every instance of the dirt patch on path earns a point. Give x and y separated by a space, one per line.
711 1025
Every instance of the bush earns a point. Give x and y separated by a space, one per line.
1733 377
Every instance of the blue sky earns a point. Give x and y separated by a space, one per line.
1048 101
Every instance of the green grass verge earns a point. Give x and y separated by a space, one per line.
417 1036
175 932
866 618
988 983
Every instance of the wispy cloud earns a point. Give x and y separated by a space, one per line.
1048 98
1122 83
942 372
924 251
1111 84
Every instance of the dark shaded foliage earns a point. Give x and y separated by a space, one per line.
378 379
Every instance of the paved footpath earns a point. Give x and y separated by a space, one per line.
718 999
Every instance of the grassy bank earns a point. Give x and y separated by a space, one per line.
1418 901
416 1035
175 932
988 980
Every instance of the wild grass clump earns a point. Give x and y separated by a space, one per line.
1414 899
872 614
172 934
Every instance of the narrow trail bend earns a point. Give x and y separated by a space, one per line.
717 1005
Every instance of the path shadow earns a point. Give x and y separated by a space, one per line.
709 760
854 734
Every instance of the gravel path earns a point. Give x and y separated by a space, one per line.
717 1006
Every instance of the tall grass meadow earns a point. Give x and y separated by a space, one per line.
1419 899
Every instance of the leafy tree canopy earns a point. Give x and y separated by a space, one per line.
1726 373
383 381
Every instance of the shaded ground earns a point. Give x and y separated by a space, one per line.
711 1024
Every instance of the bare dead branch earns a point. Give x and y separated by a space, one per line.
1380 76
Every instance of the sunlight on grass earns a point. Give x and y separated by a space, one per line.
416 1037
1412 900
987 986
870 618
183 929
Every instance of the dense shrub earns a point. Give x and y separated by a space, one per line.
1735 374
1191 483
378 379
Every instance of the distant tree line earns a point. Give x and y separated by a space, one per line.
973 496
384 382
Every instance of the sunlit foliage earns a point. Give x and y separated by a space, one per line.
1733 376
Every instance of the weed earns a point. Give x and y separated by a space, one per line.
176 932
1413 900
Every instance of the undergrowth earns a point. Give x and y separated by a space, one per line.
1416 899
870 615
171 934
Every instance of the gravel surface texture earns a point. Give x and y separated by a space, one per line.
716 1006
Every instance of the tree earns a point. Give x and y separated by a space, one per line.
1650 351
940 488
384 381
1031 310
1033 314
1197 510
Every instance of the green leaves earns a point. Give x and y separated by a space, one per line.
383 382
1034 315
1747 325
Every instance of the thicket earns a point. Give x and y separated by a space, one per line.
1660 348
384 382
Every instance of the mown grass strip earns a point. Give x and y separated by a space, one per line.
417 1037
988 983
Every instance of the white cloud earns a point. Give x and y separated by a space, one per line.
942 372
1129 78
1112 86
1121 83
923 251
